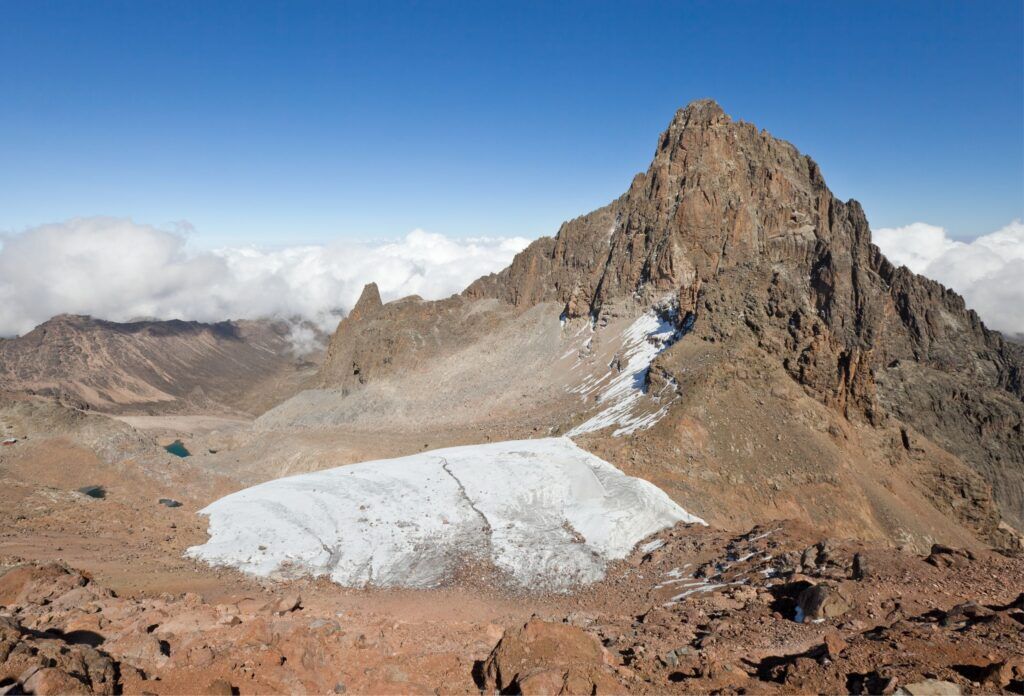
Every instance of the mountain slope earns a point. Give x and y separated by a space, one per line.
243 366
895 404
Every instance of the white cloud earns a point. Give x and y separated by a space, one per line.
117 269
988 271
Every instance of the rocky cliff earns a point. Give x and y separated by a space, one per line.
740 233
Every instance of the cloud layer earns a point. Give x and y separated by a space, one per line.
988 272
116 269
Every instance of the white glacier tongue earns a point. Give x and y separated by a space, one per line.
545 512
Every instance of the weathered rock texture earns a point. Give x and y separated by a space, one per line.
742 231
550 658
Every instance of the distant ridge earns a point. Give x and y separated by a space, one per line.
156 366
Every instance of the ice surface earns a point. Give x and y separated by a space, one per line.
547 513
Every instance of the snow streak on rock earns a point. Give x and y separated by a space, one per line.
621 395
546 513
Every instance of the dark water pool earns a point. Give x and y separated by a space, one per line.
177 448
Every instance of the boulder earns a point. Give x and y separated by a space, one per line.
288 603
966 613
948 557
1000 674
138 649
219 687
41 664
542 657
819 602
51 680
860 569
930 687
834 644
38 583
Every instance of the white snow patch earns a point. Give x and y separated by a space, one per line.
652 545
701 587
547 513
642 341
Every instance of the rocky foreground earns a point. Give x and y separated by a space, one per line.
692 610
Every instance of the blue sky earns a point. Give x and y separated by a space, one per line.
294 122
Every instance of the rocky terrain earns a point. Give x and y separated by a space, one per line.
725 330
699 611
157 366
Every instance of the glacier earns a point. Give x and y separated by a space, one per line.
545 513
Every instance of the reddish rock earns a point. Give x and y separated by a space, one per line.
51 680
38 583
821 602
1000 674
551 658
219 687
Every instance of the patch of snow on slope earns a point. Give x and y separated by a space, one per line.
621 396
545 512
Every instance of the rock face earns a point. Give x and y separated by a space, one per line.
399 336
739 230
165 366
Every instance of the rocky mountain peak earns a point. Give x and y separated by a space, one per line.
718 194
700 113
739 231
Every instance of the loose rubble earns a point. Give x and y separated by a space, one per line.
691 610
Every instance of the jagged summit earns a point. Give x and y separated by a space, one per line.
369 300
699 112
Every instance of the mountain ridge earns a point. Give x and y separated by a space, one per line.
155 365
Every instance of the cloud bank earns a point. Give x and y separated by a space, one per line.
988 272
117 269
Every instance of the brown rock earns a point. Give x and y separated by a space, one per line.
51 680
948 557
38 583
966 613
542 682
821 602
288 603
137 648
1000 674
726 673
834 644
219 687
931 687
542 655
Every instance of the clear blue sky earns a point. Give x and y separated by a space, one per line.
290 122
